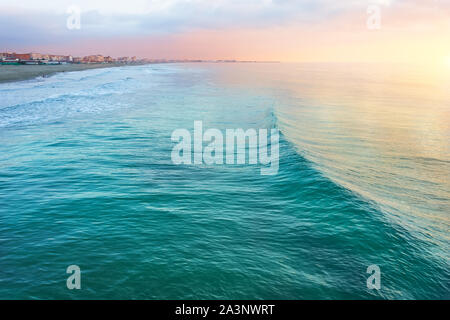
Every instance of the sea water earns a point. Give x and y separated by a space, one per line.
86 179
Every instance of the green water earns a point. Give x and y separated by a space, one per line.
86 178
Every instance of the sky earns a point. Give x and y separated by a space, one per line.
276 30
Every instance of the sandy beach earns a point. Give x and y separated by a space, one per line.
10 73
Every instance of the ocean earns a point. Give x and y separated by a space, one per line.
86 179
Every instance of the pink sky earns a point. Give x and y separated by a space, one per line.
322 30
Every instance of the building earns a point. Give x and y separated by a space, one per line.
98 58
8 55
123 59
23 56
36 56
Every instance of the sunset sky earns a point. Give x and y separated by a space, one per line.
282 30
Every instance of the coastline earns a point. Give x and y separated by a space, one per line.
12 73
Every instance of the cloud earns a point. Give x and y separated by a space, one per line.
263 29
40 21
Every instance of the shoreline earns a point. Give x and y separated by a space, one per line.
13 73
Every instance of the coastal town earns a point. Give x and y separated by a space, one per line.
13 58
23 66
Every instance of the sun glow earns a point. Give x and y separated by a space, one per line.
447 61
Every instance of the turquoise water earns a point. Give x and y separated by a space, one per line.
86 178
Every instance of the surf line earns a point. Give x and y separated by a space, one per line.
238 143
